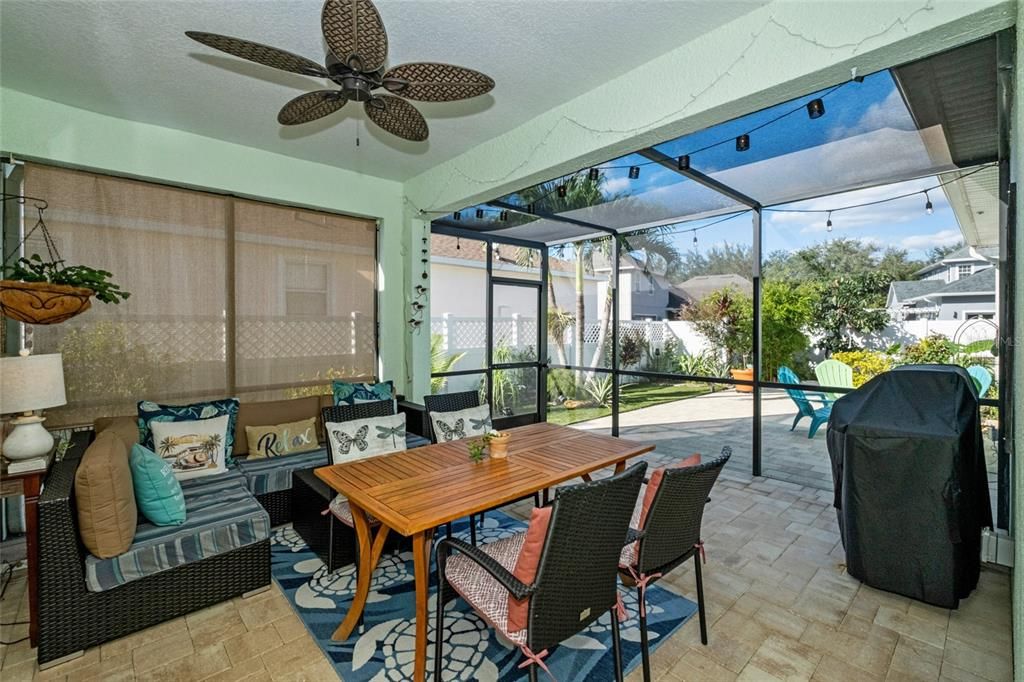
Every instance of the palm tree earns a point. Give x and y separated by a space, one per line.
440 362
165 446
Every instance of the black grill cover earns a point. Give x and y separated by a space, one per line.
911 490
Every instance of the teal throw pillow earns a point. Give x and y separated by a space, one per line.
157 492
350 394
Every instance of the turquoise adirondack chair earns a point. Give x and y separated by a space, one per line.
982 379
803 399
834 373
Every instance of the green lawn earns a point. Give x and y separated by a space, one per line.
632 397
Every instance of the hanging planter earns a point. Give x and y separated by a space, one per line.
42 302
35 291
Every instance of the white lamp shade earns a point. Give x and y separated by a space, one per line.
32 382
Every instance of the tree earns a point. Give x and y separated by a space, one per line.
850 304
937 253
895 265
821 261
785 316
718 260
725 318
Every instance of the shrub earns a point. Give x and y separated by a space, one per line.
932 349
600 390
866 364
561 385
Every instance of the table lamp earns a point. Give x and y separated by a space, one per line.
29 383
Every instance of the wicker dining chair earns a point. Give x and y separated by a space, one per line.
346 413
669 535
574 582
452 402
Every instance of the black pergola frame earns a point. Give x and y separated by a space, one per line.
1007 266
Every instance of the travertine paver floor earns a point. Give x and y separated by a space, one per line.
780 607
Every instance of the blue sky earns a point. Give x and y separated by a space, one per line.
866 136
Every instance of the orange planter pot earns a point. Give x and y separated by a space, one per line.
746 374
498 445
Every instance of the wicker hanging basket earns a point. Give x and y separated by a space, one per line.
42 302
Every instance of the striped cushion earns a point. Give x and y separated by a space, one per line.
483 592
221 515
271 474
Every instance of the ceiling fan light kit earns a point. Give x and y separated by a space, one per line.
358 45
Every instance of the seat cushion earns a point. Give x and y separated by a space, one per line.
339 506
485 594
273 474
221 515
104 497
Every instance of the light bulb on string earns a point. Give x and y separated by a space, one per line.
695 239
928 203
594 174
828 222
634 172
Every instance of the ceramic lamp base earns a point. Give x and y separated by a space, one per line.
28 439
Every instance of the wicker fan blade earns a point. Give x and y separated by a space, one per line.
261 54
310 107
398 117
430 82
354 32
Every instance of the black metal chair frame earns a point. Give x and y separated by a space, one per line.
452 402
671 536
576 579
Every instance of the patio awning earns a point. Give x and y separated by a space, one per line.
934 116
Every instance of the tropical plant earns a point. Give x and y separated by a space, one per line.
35 269
932 349
866 364
664 359
511 387
599 388
703 364
211 444
440 362
559 322
725 318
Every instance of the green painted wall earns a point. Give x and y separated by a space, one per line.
31 127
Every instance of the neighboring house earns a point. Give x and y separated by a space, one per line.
694 289
643 292
459 277
961 286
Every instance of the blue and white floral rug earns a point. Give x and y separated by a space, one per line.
383 650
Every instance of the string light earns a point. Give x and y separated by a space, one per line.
743 142
562 191
479 214
594 174
695 239
683 162
634 172
458 244
457 215
828 223
815 108
927 203
503 216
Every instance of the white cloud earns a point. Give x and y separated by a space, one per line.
927 241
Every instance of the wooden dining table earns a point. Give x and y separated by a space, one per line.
415 491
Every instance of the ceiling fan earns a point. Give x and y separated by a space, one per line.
358 47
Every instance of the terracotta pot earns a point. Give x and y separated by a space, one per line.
42 302
499 445
745 374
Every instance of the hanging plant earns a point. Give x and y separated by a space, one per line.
37 291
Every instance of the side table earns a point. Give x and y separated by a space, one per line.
30 484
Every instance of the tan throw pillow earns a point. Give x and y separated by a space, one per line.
125 427
282 439
105 497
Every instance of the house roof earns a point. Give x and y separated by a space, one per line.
471 250
904 291
961 254
696 288
983 281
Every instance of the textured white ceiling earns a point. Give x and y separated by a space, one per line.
130 59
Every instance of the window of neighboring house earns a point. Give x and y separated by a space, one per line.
979 316
964 271
305 288
650 284
636 283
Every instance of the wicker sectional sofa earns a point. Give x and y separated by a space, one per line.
221 552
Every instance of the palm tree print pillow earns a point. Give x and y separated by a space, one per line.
472 422
192 448
150 412
363 438
350 394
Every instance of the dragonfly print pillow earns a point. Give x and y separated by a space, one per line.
363 438
472 422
